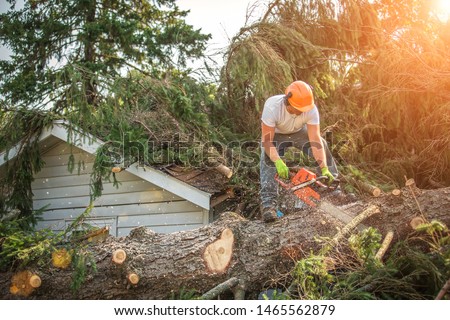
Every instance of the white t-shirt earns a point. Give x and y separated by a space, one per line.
275 115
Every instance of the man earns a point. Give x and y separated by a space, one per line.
289 120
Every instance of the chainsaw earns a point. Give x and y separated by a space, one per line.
303 183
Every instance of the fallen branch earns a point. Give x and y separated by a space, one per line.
372 209
146 128
443 291
409 183
224 286
385 245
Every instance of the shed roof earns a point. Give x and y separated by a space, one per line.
88 143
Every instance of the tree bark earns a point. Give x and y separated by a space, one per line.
258 254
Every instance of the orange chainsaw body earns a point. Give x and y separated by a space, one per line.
306 194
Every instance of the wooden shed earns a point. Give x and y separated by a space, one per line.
145 196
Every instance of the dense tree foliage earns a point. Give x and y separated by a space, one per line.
63 49
379 71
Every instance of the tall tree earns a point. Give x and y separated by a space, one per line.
379 71
64 49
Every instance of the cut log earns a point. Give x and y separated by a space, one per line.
133 278
119 256
370 189
229 193
227 172
24 283
61 258
254 252
117 169
35 281
396 192
417 221
216 160
385 245
218 254
364 186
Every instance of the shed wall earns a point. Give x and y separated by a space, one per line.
136 202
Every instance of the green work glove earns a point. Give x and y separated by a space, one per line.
327 173
282 169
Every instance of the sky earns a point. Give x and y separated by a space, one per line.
221 18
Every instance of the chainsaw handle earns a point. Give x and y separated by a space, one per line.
282 182
333 184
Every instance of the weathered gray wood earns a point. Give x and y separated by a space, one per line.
61 160
62 148
84 190
60 171
124 210
108 199
77 180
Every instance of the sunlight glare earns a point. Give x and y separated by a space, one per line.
442 8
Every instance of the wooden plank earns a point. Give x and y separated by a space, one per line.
122 232
63 160
60 182
167 219
83 190
76 180
60 171
62 148
54 225
108 200
123 210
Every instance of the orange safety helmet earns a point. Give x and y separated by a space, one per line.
300 96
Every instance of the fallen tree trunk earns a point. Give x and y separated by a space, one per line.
255 253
